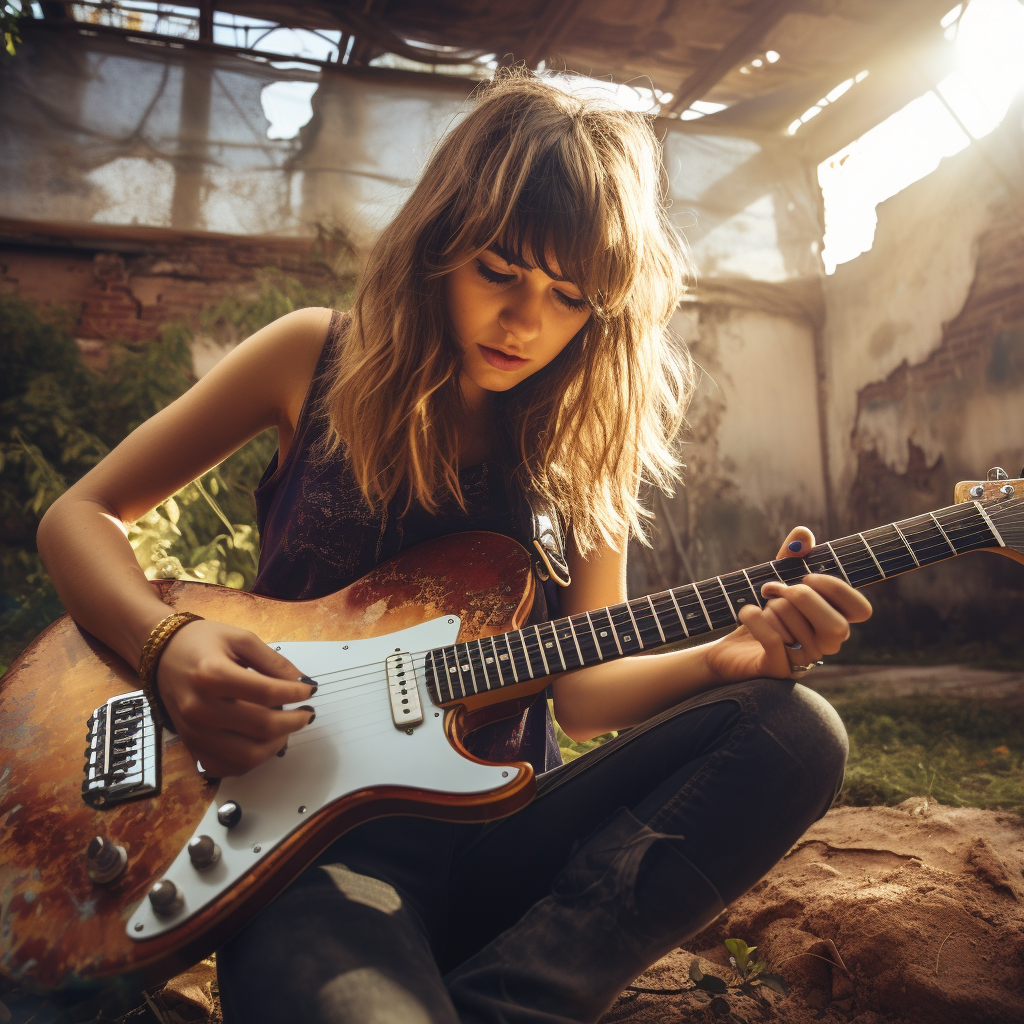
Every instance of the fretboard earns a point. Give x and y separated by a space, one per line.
647 623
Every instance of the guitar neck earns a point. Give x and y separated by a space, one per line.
647 623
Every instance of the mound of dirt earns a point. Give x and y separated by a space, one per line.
901 914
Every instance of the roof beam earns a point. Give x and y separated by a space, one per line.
549 30
765 16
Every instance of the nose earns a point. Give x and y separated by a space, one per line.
521 313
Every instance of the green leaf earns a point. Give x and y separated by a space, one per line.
775 982
741 951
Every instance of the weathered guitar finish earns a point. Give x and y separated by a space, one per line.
410 659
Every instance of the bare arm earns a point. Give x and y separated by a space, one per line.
595 700
82 538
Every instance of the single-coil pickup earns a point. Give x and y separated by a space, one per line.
402 688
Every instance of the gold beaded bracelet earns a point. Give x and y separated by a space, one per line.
150 658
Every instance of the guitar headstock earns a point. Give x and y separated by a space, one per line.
1004 504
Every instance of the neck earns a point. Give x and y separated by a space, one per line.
647 623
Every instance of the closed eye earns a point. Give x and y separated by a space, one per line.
488 274
492 275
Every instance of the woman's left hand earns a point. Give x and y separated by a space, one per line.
815 613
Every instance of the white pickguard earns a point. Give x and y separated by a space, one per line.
352 745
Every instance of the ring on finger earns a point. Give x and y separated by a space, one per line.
797 646
805 668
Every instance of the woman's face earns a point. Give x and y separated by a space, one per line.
510 319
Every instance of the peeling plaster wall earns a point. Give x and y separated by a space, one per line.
924 342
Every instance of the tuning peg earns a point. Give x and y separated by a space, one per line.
998 473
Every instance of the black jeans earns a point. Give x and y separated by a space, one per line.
548 914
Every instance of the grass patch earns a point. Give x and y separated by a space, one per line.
959 752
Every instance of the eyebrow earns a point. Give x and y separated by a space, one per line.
514 261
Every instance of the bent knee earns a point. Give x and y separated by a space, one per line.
803 723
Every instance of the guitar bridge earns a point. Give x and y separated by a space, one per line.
122 758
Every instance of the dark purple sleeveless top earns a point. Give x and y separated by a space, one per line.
317 535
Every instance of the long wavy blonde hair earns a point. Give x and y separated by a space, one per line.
529 162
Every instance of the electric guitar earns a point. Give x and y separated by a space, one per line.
118 857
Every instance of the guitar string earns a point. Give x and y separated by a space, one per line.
716 604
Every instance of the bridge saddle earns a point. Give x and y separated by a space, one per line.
122 758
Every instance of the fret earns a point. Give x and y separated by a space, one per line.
759 575
534 656
551 645
593 633
716 610
543 653
625 628
476 667
903 537
860 569
576 641
495 660
967 527
697 617
732 611
448 670
836 558
563 633
523 653
641 611
757 597
872 554
924 538
991 525
657 621
607 639
891 550
483 662
668 617
739 591
508 657
943 532
790 570
675 604
636 628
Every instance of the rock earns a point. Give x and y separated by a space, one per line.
904 914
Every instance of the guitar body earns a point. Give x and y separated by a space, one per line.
59 928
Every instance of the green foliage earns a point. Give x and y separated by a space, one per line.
959 752
570 748
58 419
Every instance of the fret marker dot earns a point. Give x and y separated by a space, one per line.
453 669
503 657
628 638
604 632
490 661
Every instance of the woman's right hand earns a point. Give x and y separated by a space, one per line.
223 688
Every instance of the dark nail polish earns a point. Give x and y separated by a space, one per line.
283 751
311 710
310 682
796 545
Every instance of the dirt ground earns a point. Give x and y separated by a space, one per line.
908 914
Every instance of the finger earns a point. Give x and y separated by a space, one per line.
797 544
777 663
254 653
850 603
828 625
255 721
225 678
803 631
778 625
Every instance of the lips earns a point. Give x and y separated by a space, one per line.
501 360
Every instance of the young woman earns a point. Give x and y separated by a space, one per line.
507 349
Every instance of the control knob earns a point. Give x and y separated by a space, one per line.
165 898
203 852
